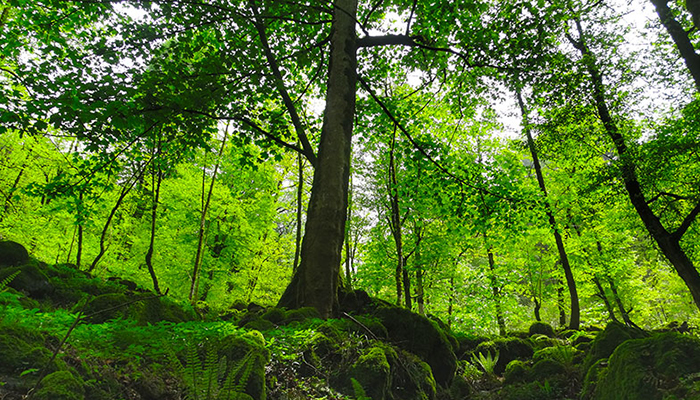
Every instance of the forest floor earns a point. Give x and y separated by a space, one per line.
67 335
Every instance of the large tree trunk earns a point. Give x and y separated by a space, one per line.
680 35
668 242
575 320
315 282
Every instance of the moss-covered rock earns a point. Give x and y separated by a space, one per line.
651 368
508 349
30 280
540 341
422 337
300 314
541 328
607 341
247 356
61 385
274 315
259 325
412 378
373 373
107 307
148 310
467 343
516 371
21 350
547 368
12 254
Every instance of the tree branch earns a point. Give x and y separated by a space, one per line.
685 225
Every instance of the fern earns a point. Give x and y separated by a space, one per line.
212 378
487 362
359 390
7 280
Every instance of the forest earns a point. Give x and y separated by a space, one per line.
349 199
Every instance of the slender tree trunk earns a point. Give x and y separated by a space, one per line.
125 191
575 321
668 242
403 282
604 297
618 300
450 302
538 306
495 289
348 242
202 224
315 283
680 37
156 180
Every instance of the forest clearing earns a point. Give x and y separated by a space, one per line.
387 199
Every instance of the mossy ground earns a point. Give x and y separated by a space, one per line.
131 344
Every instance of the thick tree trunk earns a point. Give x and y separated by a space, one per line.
680 36
668 242
300 193
575 320
315 282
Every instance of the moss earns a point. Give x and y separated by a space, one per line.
541 328
467 344
460 388
301 314
509 349
422 337
21 350
590 382
546 368
516 371
61 385
247 357
31 280
152 310
106 307
12 253
275 315
607 341
412 378
259 325
372 372
650 368
540 341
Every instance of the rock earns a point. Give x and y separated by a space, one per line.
516 371
422 337
508 348
541 328
373 373
247 357
12 254
30 280
607 341
659 367
61 385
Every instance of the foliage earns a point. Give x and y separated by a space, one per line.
486 362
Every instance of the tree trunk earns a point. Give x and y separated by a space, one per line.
680 36
560 304
202 223
300 193
315 282
604 297
538 306
668 242
157 178
575 321
103 236
496 294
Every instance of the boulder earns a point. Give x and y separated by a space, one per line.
30 280
12 254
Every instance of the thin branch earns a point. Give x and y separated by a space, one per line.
685 225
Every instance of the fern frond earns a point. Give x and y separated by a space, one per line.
8 279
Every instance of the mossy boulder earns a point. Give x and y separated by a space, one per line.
274 315
547 368
61 385
467 343
22 349
607 341
147 309
300 314
30 280
540 341
12 254
659 367
422 337
259 325
516 371
412 377
247 357
541 328
508 349
373 373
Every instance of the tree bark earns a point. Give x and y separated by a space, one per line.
300 193
496 294
156 180
575 320
668 242
315 282
202 223
680 36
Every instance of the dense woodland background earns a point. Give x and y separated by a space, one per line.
495 149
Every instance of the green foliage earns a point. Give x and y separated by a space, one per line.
359 391
486 362
6 281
